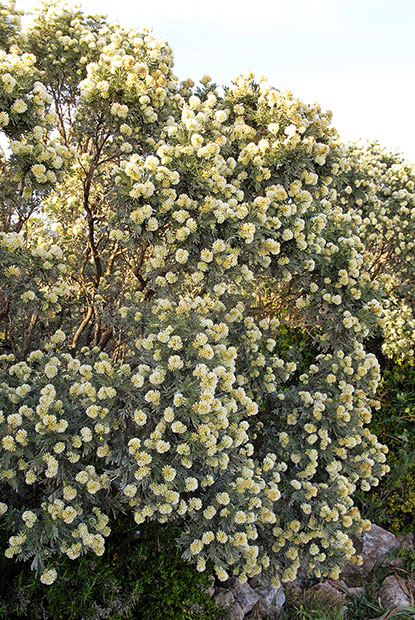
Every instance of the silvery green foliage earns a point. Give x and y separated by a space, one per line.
148 292
381 185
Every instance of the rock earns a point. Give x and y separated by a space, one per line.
278 602
223 597
210 590
392 593
339 584
197 609
271 599
397 563
357 591
373 548
377 543
245 596
294 587
236 613
406 541
326 594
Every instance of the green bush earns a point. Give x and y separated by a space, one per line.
141 576
392 503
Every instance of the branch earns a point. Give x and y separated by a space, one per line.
82 327
29 334
107 334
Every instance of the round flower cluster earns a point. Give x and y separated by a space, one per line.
34 160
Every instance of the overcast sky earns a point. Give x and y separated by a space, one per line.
355 57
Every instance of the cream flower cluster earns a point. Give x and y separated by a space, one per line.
25 293
132 73
34 160
21 95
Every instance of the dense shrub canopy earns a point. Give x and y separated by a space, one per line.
167 250
383 188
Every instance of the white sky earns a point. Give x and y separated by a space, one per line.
355 57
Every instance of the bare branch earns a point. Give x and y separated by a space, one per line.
82 326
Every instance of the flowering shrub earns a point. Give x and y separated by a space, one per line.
148 289
382 185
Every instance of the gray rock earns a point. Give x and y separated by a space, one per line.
245 596
197 609
294 587
271 599
357 591
373 547
397 563
224 597
236 613
210 590
406 541
279 600
392 593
